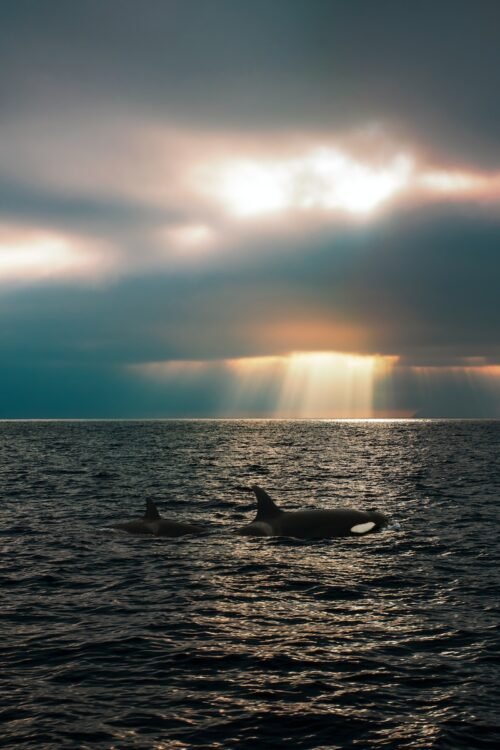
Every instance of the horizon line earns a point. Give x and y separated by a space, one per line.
249 419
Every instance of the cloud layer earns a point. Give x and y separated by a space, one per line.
211 183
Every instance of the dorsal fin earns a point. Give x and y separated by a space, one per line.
151 513
266 508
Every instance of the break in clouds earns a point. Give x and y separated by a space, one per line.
257 209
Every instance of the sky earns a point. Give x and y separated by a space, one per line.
225 208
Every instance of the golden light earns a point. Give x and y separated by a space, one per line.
488 373
310 385
329 384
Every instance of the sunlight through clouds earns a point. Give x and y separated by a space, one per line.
327 384
300 385
324 179
330 180
309 384
255 207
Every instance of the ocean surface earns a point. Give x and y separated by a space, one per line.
222 641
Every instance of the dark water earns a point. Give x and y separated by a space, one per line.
387 641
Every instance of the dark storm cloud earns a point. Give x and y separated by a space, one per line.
428 285
430 68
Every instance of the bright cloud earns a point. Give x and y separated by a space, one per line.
323 179
461 184
187 242
28 255
330 180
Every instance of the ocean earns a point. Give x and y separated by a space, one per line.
223 641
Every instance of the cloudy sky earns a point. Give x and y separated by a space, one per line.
249 208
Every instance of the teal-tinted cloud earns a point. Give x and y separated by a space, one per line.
78 81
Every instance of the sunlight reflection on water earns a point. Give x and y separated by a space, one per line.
386 641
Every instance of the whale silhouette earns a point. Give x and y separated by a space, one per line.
152 523
310 524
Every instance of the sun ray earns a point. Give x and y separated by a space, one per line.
309 385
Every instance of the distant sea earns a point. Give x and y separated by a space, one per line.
227 642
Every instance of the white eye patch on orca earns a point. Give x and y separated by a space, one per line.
362 528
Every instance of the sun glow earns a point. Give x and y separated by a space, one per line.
328 384
325 179
187 243
452 182
248 189
311 385
338 180
190 235
28 255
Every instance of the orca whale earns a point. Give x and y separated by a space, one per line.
152 523
310 524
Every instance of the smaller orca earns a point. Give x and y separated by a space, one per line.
152 523
310 524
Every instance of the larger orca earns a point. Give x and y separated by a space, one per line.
310 524
152 523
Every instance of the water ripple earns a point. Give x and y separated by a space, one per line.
387 641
